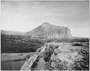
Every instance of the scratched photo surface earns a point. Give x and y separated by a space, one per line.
45 35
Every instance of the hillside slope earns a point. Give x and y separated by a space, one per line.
49 31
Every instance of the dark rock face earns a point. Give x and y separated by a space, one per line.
49 31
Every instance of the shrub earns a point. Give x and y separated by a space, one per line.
19 44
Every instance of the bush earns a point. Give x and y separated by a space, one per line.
19 44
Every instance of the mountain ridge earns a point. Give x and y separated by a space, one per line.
11 32
47 30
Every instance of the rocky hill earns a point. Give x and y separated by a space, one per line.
49 31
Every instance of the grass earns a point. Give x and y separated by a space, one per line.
19 44
15 56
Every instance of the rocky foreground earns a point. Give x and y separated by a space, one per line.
62 56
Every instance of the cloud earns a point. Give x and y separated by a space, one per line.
25 16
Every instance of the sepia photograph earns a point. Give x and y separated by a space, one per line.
45 35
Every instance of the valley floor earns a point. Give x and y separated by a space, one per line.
14 61
15 56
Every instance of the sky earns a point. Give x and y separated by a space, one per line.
23 16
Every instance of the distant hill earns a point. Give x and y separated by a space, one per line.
49 31
11 32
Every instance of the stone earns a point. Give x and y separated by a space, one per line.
53 64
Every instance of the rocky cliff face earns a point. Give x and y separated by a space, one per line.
47 30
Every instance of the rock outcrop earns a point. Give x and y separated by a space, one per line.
49 31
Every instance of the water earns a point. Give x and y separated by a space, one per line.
11 65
